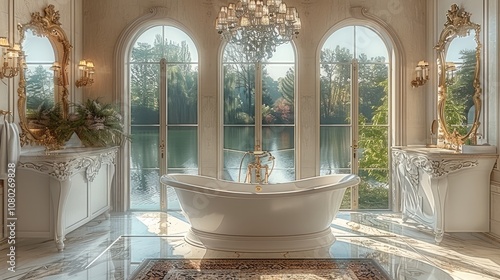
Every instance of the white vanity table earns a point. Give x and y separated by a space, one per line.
60 191
446 190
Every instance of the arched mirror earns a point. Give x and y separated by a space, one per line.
459 92
43 83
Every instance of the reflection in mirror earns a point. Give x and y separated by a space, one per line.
43 83
460 67
459 90
39 74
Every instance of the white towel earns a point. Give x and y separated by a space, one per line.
14 146
3 150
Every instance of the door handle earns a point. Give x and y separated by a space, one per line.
162 148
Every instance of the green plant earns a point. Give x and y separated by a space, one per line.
50 119
97 124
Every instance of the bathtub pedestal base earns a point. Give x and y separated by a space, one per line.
285 243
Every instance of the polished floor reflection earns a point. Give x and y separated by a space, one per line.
114 248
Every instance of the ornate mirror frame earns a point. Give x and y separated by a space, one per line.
457 24
46 25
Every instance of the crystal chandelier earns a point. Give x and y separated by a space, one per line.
257 27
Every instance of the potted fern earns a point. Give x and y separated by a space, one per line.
97 124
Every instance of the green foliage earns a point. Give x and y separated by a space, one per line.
39 88
182 82
335 86
97 125
51 118
459 92
335 104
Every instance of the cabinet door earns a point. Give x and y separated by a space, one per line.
495 209
99 200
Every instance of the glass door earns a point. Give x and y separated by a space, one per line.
354 114
164 115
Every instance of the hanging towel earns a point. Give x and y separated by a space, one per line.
4 139
14 145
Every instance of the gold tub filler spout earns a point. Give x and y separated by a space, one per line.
258 170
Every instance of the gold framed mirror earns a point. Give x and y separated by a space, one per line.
459 87
43 83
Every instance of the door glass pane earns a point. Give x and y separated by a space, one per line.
144 171
279 140
373 167
335 91
182 149
145 91
374 188
370 45
182 94
335 150
278 87
373 82
239 94
237 141
235 163
339 47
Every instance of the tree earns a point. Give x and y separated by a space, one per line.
335 85
459 93
39 88
182 96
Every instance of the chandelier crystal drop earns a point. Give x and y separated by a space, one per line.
258 27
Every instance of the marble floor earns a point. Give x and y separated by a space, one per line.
113 248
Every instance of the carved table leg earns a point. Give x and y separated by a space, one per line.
111 175
439 188
438 237
59 191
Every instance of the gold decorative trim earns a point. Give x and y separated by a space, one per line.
46 25
457 24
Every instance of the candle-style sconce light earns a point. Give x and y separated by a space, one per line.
86 69
422 74
450 71
9 58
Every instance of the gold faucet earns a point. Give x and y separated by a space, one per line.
256 166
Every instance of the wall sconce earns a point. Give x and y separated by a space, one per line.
9 66
450 72
86 68
422 71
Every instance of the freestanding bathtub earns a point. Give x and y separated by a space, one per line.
243 217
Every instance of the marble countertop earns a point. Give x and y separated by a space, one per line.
68 152
440 152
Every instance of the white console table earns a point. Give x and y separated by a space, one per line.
60 191
445 190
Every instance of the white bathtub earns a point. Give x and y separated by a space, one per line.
282 217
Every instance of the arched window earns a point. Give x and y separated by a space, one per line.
163 69
258 111
354 113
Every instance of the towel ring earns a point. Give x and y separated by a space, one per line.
5 114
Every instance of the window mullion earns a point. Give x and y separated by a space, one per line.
162 149
355 129
258 104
